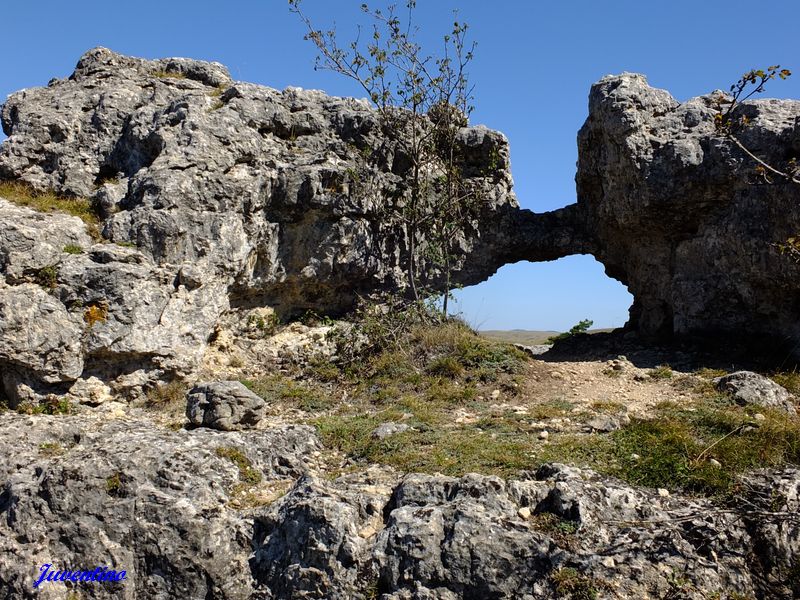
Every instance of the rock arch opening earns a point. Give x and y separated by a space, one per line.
546 296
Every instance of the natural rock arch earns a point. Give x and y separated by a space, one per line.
237 195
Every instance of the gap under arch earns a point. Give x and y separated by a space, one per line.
545 296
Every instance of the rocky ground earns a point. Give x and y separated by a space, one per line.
445 467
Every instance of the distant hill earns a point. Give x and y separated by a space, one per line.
527 337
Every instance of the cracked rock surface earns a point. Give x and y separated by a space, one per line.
102 490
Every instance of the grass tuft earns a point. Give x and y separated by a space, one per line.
169 74
247 473
23 195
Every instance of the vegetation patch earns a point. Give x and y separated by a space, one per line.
425 448
114 485
570 583
247 473
50 449
661 372
23 195
698 448
72 249
169 75
169 394
52 405
788 379
47 277
279 388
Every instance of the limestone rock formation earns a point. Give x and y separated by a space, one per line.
235 197
675 211
238 197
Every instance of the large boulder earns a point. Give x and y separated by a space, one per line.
746 387
225 405
220 197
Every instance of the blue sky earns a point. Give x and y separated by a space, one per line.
534 65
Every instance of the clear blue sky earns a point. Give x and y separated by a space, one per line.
534 64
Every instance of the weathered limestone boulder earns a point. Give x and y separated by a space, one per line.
81 492
746 387
675 211
99 311
225 405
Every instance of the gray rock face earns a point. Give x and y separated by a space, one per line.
674 212
225 405
746 387
482 537
107 312
81 493
234 195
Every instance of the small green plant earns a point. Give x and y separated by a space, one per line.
571 584
51 449
47 276
660 372
73 249
709 373
166 395
266 324
445 366
52 405
555 526
114 484
324 370
247 473
312 319
577 329
788 379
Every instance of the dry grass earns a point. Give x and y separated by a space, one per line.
23 195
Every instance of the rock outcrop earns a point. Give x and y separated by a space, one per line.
234 197
675 212
207 514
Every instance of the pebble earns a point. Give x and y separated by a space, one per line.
608 562
524 512
759 417
543 435
635 456
714 462
663 493
495 394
